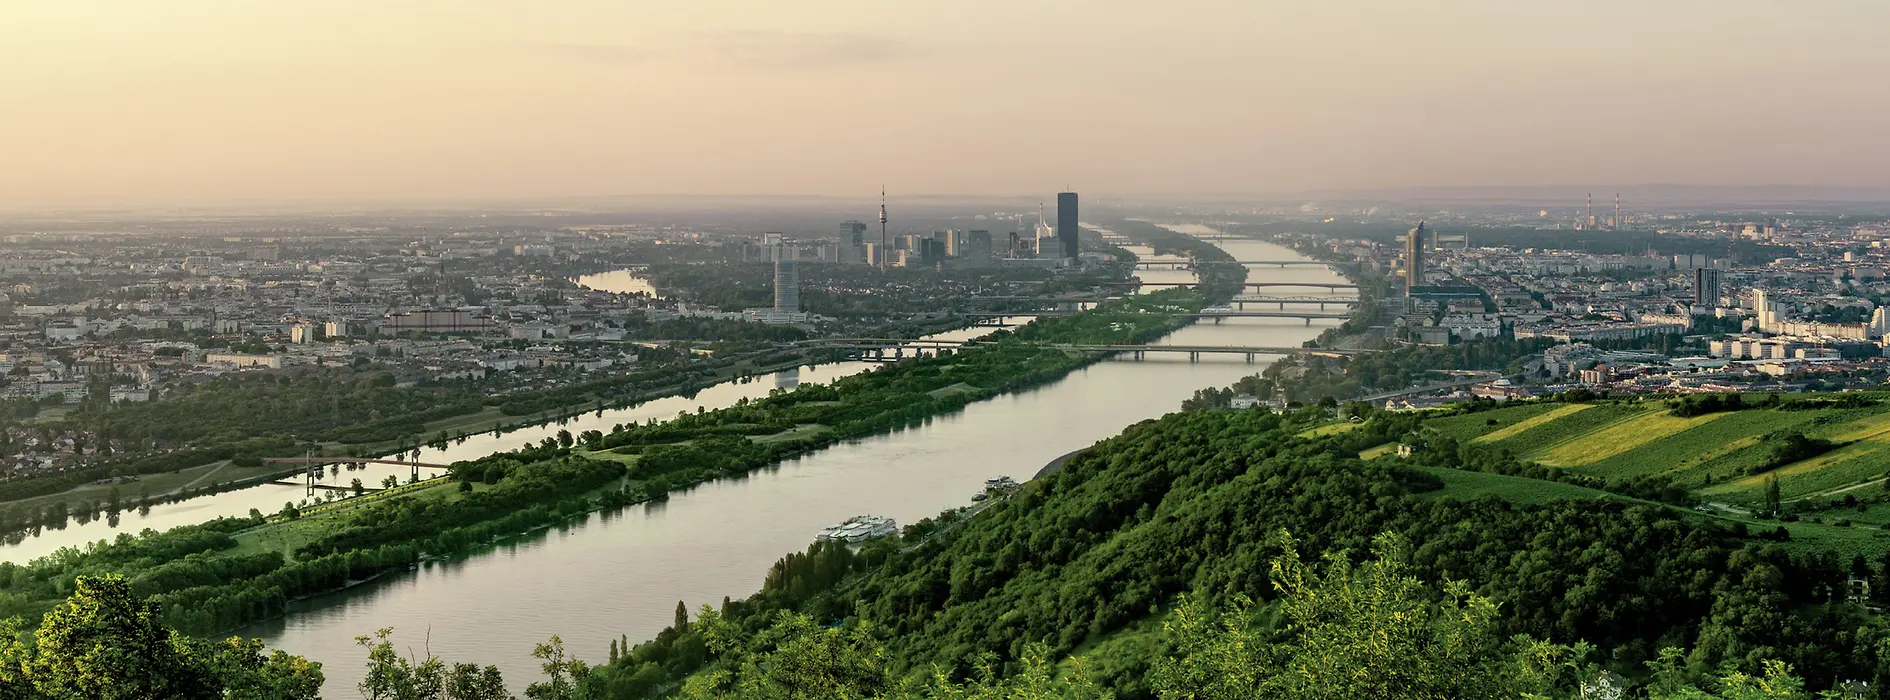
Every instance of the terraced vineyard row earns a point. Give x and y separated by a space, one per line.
1719 455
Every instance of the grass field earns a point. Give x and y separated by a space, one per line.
799 431
1485 425
1712 454
1463 484
1723 448
1329 429
156 484
1620 436
286 536
1547 437
1379 451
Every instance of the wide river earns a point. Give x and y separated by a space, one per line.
623 574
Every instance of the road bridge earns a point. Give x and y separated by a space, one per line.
999 318
1241 302
1186 264
316 464
890 349
1250 285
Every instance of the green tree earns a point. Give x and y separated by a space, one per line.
566 678
391 676
1353 631
105 643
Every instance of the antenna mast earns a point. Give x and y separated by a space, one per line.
882 228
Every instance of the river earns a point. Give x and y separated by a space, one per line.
623 574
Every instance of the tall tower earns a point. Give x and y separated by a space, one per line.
882 228
1706 285
1589 223
852 233
1066 223
1414 259
1617 212
787 276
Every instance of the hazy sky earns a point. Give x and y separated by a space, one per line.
220 100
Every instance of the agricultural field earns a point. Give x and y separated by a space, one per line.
1620 436
1722 448
1487 425
1714 454
1710 454
1568 430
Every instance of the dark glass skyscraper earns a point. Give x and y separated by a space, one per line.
852 233
1706 283
1414 258
1066 222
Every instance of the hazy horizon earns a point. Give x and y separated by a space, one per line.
216 101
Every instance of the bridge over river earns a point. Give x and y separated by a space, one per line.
889 349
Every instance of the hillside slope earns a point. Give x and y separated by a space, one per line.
1191 502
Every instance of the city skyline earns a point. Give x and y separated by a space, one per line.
198 101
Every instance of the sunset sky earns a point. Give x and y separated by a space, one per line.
230 100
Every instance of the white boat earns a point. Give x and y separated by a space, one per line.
860 528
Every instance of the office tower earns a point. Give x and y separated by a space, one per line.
787 282
1706 288
955 243
1015 242
1066 222
1766 309
1414 259
852 233
978 244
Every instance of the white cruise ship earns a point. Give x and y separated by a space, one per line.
860 528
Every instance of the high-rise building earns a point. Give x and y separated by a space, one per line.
787 273
1066 223
787 285
1706 288
1414 259
852 233
1766 310
978 244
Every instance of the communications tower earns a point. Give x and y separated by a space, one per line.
882 228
